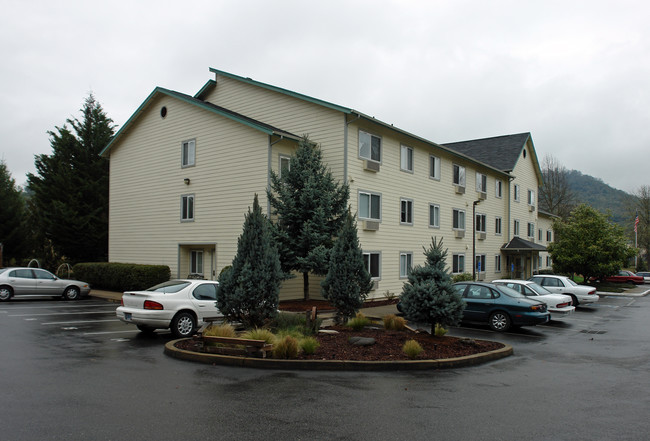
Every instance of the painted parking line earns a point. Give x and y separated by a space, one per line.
59 313
85 305
79 321
111 332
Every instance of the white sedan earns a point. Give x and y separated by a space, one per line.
180 305
559 305
563 285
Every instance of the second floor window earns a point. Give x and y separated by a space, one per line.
369 206
549 236
459 175
406 211
369 146
497 226
516 192
531 230
458 220
481 182
434 215
188 153
531 197
187 207
480 223
516 228
285 164
499 188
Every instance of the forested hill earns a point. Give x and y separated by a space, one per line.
595 192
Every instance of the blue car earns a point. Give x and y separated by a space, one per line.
499 306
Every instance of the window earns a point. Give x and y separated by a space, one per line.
369 146
187 207
459 175
531 197
371 262
531 230
499 188
405 264
497 226
369 206
549 236
406 159
406 211
548 261
481 182
497 263
516 192
539 235
188 152
458 263
434 167
205 291
196 262
434 215
458 220
285 164
480 223
479 264
516 228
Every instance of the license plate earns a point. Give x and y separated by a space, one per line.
127 316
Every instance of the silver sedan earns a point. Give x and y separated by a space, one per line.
21 281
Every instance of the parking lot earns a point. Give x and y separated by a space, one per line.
71 370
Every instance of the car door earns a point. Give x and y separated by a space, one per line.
479 302
204 298
47 284
22 281
552 284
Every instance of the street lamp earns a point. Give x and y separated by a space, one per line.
474 204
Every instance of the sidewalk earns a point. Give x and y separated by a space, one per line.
637 291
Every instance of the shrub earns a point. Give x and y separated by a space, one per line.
309 345
464 277
412 349
297 322
287 347
394 323
359 322
259 334
439 331
223 330
121 277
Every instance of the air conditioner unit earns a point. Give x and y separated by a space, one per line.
480 235
459 189
482 195
370 225
459 234
531 208
371 166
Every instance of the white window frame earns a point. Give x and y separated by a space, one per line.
497 263
531 230
405 264
498 224
188 207
498 188
481 182
480 258
368 258
516 228
460 218
459 175
188 153
406 211
531 197
516 192
369 153
283 158
540 235
481 225
458 263
196 262
549 235
436 216
406 158
434 167
370 199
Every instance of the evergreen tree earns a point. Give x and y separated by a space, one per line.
588 243
429 297
249 290
348 282
70 191
13 236
311 208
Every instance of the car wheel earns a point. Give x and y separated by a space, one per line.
146 329
500 321
71 293
574 299
183 325
5 293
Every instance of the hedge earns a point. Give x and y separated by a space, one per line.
121 277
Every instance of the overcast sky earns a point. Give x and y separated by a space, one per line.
576 74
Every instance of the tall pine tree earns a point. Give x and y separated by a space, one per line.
13 236
429 297
311 208
348 282
70 190
249 291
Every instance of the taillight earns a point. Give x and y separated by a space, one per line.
150 304
121 302
563 305
592 292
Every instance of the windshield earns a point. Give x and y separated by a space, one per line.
169 286
509 291
538 289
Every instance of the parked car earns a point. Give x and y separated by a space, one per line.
645 275
499 306
625 276
559 305
180 305
580 294
21 281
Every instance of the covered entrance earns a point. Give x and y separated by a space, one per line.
522 257
197 261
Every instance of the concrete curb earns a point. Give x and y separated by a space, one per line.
334 365
623 294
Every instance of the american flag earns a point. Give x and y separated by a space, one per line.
636 222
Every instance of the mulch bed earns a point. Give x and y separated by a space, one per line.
323 306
